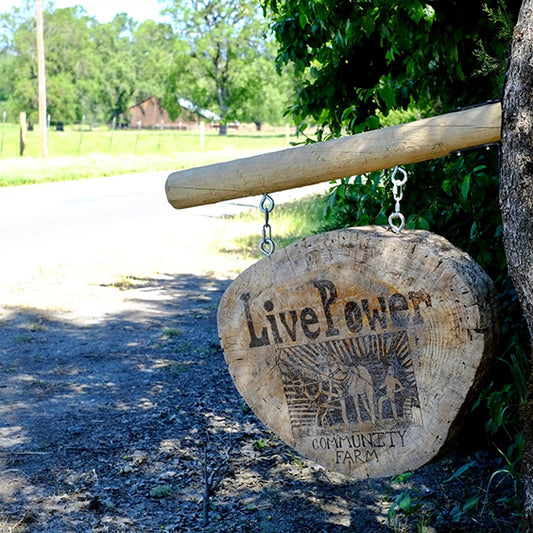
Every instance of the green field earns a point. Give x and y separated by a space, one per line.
84 153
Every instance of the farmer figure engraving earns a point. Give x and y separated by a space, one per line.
337 382
392 386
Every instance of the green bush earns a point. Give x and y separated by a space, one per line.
457 197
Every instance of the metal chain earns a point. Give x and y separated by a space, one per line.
267 245
396 219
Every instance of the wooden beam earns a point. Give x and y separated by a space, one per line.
339 158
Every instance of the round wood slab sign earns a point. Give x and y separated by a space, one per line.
358 347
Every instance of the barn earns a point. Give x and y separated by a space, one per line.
150 113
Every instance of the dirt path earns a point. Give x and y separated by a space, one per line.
117 414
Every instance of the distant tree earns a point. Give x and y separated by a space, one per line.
268 94
215 55
17 59
71 63
153 49
228 48
92 69
117 72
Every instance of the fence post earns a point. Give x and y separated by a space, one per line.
139 123
113 126
22 122
3 132
202 134
81 133
160 135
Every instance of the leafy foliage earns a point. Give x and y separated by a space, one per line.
358 58
231 63
215 54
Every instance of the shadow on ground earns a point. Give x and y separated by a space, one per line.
133 424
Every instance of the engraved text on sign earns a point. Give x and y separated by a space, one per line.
362 386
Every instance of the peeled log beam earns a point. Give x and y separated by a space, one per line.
339 158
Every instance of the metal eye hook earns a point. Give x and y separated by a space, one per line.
267 204
267 245
397 228
393 177
396 219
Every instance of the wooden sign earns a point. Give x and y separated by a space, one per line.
358 347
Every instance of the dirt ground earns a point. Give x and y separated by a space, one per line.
117 414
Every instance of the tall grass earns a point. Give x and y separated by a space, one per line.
289 222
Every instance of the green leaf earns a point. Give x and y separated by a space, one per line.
465 187
372 122
473 230
381 219
458 473
471 503
457 513
405 501
400 478
416 12
422 223
302 18
429 13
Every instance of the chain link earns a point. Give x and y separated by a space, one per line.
267 245
396 219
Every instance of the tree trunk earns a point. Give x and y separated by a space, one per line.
516 200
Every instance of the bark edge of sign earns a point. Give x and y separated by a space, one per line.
359 347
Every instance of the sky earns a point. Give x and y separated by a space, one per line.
103 10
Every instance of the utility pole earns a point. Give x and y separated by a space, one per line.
43 146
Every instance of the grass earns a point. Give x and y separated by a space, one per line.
79 154
7 525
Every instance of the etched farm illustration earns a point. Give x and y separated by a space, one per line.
347 384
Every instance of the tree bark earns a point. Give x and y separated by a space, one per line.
516 201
